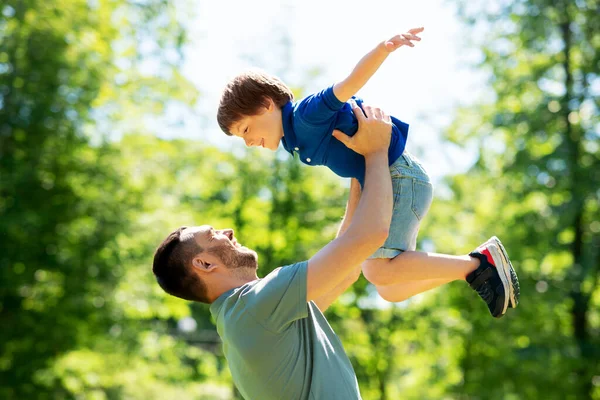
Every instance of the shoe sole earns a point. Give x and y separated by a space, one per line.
503 273
511 271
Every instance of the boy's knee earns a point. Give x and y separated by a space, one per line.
372 270
387 294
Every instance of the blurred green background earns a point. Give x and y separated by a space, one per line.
87 191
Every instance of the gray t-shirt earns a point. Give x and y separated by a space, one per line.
278 346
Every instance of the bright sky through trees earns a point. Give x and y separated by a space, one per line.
421 85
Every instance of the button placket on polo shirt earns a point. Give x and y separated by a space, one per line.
297 149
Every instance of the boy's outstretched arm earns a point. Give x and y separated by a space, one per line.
370 63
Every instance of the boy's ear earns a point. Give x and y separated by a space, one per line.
271 104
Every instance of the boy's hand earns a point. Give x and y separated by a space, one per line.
374 131
404 39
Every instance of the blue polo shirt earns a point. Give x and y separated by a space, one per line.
307 130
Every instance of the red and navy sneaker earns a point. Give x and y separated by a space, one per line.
515 290
491 280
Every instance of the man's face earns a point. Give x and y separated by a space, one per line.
223 244
262 130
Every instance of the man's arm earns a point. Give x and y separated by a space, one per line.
370 63
368 229
325 300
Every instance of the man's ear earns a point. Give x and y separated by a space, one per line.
202 264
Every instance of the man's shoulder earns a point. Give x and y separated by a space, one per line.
282 273
242 294
268 302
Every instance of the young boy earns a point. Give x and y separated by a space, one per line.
259 108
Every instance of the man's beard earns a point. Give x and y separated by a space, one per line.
244 260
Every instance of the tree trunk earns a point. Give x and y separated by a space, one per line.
579 310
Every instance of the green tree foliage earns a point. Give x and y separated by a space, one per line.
63 204
535 185
57 225
80 216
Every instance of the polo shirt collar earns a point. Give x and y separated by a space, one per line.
216 305
289 136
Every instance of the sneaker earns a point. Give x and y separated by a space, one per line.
515 290
491 280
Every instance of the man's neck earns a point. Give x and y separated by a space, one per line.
231 282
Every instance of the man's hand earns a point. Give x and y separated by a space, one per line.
374 131
404 39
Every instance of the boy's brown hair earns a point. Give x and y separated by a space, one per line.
247 93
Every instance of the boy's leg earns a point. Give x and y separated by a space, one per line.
487 270
418 266
405 290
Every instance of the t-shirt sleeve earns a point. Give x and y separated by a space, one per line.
280 298
319 108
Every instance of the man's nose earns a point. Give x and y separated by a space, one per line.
228 232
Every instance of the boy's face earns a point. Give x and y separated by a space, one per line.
264 129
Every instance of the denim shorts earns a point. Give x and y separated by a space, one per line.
413 193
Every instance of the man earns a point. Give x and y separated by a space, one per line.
277 342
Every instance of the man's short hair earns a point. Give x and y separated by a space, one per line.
247 93
173 267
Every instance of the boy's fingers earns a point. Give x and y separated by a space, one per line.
416 30
409 36
399 42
